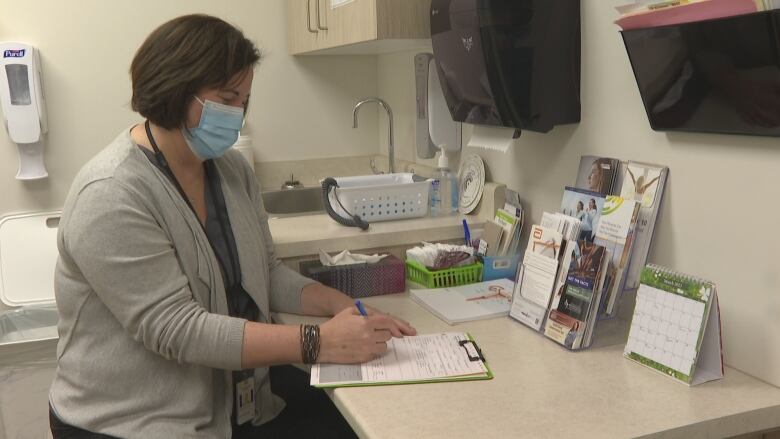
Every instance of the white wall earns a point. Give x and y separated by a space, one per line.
720 210
396 84
300 109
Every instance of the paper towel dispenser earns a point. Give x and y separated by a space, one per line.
510 63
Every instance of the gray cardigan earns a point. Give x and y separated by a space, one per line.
146 346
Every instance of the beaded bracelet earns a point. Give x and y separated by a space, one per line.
310 343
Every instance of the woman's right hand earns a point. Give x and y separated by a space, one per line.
351 338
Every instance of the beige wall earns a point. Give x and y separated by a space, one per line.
396 84
301 107
720 211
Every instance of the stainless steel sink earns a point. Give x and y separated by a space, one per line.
290 202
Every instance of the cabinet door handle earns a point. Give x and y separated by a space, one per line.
308 16
319 17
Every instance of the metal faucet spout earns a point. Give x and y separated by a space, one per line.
390 142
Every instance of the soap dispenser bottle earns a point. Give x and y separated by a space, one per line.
448 186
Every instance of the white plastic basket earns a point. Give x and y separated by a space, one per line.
381 197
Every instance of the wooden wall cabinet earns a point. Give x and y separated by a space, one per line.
357 27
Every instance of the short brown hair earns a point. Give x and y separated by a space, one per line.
179 58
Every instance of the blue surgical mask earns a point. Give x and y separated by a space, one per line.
217 130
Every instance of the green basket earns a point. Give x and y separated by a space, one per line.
451 277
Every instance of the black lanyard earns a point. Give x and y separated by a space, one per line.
163 163
223 220
221 212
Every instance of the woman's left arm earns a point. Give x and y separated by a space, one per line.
320 300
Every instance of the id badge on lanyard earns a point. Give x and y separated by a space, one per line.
245 397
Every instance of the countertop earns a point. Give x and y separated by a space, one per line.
541 390
307 234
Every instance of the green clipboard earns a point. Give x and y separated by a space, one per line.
488 375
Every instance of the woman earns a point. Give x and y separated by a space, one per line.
586 217
580 211
167 274
594 216
640 186
599 177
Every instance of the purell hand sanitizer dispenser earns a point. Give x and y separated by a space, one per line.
24 115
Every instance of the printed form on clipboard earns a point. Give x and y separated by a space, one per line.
429 358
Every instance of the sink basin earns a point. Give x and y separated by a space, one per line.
292 202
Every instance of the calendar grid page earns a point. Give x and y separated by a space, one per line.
670 317
666 328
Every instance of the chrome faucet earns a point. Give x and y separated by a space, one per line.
390 145
292 183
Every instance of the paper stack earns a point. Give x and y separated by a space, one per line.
570 229
512 223
482 300
536 280
644 183
644 14
615 232
574 310
501 235
641 182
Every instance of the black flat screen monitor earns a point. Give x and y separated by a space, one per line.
718 76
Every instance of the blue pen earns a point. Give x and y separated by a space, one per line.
361 308
466 233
